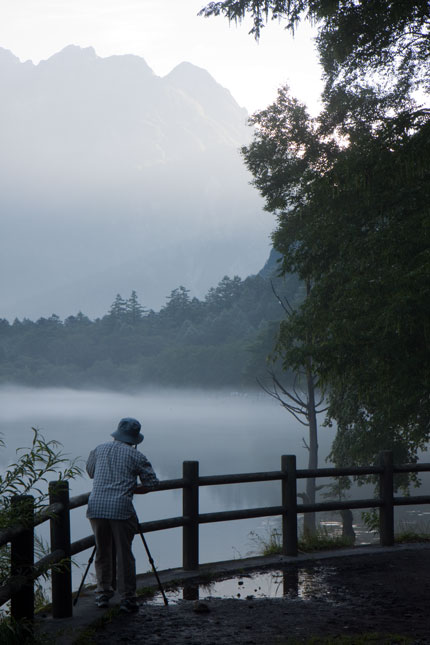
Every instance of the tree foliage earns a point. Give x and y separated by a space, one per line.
353 222
220 341
28 475
350 189
355 37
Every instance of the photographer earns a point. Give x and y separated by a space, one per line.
114 466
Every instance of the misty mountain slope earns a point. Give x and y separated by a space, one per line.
215 102
112 178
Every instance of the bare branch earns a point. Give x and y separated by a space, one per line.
275 395
300 397
297 400
322 410
296 411
299 407
283 302
303 423
320 401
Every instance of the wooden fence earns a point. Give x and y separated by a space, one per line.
20 586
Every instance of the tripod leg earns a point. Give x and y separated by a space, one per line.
151 562
84 576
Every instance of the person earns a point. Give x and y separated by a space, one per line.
114 466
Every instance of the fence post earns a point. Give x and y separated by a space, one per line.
289 503
22 557
60 539
190 510
386 486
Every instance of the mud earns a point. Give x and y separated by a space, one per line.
385 594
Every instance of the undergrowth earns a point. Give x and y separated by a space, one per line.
320 541
409 535
418 531
20 632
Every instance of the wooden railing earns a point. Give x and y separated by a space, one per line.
20 587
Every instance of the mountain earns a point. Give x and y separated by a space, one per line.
113 178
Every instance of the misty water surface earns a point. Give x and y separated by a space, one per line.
225 432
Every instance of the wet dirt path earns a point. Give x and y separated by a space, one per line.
386 593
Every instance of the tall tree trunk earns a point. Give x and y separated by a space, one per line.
309 523
310 518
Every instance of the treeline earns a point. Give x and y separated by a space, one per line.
220 341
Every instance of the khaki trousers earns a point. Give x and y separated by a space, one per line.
119 533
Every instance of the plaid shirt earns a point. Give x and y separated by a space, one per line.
114 466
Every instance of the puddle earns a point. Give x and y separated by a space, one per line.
300 583
309 583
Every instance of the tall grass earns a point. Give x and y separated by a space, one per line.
322 540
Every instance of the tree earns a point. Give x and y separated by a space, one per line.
300 401
225 294
78 321
369 307
355 39
118 308
353 223
133 309
375 55
178 304
286 156
351 192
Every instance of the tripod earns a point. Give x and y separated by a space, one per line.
151 561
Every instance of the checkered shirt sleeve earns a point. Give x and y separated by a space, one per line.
114 467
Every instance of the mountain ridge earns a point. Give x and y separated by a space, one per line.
111 175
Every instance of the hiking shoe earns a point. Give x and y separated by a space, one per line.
102 601
128 607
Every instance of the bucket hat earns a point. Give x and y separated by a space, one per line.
128 431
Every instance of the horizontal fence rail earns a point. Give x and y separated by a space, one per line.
20 587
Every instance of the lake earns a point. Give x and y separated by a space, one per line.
225 432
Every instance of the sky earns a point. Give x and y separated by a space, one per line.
166 33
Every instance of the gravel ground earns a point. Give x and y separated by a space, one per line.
386 593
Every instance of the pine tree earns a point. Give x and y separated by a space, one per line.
133 309
118 308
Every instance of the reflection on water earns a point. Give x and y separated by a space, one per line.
304 583
292 582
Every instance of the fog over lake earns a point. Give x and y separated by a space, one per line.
225 432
